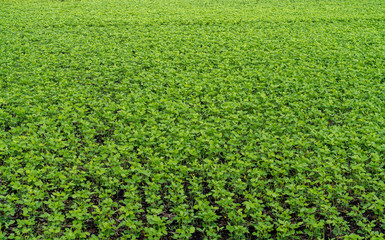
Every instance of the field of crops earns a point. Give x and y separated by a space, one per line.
192 119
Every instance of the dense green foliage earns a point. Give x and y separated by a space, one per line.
177 119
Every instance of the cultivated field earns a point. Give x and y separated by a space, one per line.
192 119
